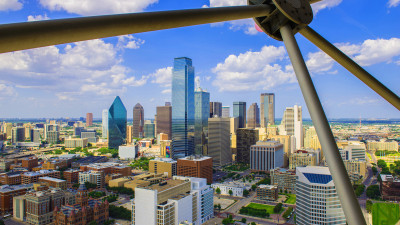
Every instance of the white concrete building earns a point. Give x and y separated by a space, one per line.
104 123
317 201
93 177
292 124
173 201
128 151
353 151
266 155
237 189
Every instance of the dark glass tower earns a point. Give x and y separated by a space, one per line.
239 110
201 114
116 124
182 108
138 121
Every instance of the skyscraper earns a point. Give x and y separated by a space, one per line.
182 108
129 136
138 120
226 111
149 129
253 116
292 124
245 138
267 109
18 134
266 155
239 110
316 193
215 109
201 114
89 119
219 143
164 117
116 124
104 122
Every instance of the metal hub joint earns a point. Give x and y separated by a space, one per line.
296 13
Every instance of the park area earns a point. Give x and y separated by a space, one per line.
385 213
261 210
290 199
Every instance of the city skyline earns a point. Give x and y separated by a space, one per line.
138 69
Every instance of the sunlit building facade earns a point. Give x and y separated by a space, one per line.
201 115
267 109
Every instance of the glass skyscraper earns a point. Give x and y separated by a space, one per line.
267 109
182 108
201 114
116 124
239 111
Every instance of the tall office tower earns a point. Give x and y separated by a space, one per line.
253 116
35 135
182 108
245 138
53 137
219 143
266 155
215 109
181 200
18 134
149 129
292 124
201 115
89 119
138 120
267 109
239 110
164 118
104 123
129 134
226 111
116 124
317 200
196 166
8 132
28 128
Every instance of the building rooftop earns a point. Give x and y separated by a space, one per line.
165 185
166 160
270 187
8 188
195 158
40 172
268 143
52 179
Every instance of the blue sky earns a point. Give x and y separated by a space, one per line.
232 60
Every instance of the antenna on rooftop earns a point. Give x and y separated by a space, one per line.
280 19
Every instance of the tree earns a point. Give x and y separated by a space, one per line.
120 212
253 223
218 191
219 207
381 163
278 208
373 192
92 222
230 192
1 222
89 185
246 192
374 170
244 220
368 206
253 187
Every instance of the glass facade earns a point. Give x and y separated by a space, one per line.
182 108
201 114
267 109
239 111
149 130
116 124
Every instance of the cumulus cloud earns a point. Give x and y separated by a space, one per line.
97 7
88 67
7 91
367 53
37 18
129 41
10 5
253 70
393 3
325 4
162 76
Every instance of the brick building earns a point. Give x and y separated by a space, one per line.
108 168
32 177
267 192
54 182
71 176
83 212
8 192
29 162
196 166
10 178
390 187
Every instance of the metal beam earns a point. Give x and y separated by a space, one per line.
340 177
351 66
20 36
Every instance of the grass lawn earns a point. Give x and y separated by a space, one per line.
291 199
269 208
369 156
385 213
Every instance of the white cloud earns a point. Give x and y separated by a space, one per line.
220 3
325 4
166 91
393 3
37 18
368 53
162 77
12 5
7 91
89 67
129 41
253 71
97 7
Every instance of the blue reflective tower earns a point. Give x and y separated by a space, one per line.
201 114
116 124
182 108
239 110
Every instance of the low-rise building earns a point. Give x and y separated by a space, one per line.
390 187
7 193
356 169
76 143
383 146
284 179
128 151
196 166
88 160
94 177
266 155
32 177
267 192
71 176
108 168
54 182
29 162
144 180
5 165
54 164
11 178
163 165
303 158
237 189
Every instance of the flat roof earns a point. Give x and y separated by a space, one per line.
52 179
165 185
40 172
8 188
